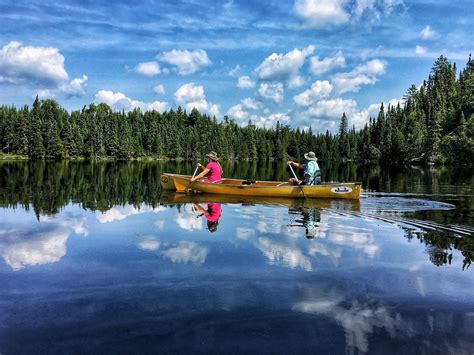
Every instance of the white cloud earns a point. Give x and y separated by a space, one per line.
272 92
319 89
237 113
118 101
20 64
159 89
235 71
419 50
244 233
322 66
321 13
185 62
284 67
43 66
190 96
75 87
251 104
149 243
427 33
331 108
187 252
244 82
364 74
148 68
269 120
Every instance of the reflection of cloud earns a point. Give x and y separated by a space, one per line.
188 221
318 248
186 252
285 255
358 320
244 233
29 248
22 246
122 212
160 224
149 243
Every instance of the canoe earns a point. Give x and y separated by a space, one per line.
182 183
172 197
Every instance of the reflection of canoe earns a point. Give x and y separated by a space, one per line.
170 198
181 183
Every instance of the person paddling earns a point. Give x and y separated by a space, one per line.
213 169
312 173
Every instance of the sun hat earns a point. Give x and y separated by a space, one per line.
310 156
213 155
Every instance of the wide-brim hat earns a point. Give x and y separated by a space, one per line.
310 156
212 155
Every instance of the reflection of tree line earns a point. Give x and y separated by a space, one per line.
440 246
47 186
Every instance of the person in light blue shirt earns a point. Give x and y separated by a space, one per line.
312 173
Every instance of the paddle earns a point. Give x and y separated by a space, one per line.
190 182
296 177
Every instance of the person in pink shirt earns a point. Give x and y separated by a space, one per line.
213 169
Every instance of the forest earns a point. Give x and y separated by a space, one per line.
435 125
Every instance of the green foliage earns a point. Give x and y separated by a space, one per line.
434 125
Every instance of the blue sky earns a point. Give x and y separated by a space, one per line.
302 62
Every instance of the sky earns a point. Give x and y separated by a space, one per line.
300 62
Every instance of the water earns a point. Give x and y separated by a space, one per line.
94 258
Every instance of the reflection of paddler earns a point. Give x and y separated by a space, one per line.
213 213
310 220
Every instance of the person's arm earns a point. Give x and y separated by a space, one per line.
201 175
201 209
296 165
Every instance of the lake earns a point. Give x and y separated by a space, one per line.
95 258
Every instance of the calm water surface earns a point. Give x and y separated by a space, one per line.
95 258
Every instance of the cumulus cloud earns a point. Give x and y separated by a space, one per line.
237 112
331 108
317 66
364 74
187 252
419 50
321 13
148 68
235 71
119 101
159 89
319 89
244 82
427 33
75 87
43 66
240 111
284 68
190 96
269 120
185 62
273 92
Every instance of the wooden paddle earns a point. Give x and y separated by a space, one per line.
296 177
190 181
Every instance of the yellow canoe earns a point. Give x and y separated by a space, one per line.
182 183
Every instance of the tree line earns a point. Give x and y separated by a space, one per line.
434 125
